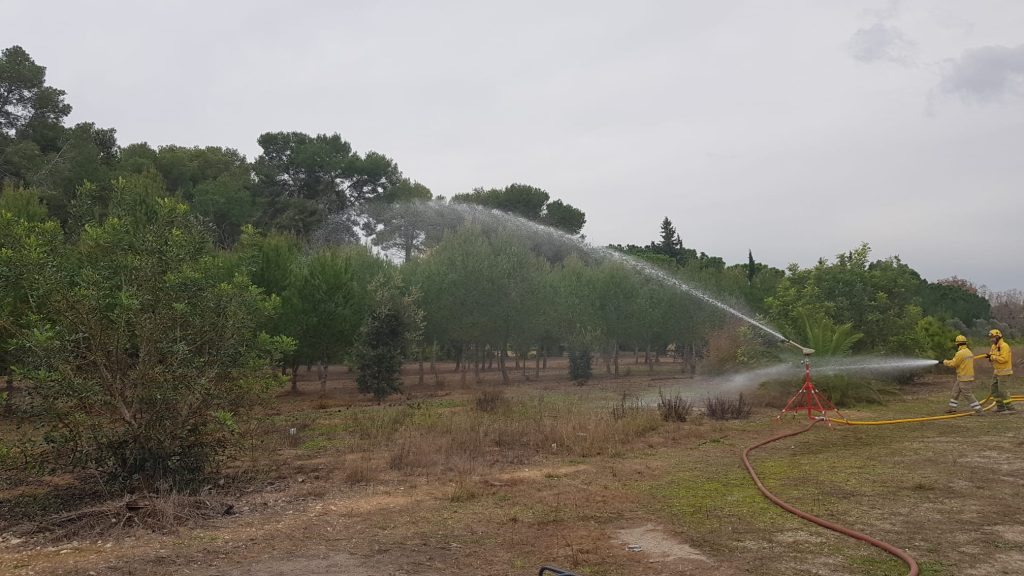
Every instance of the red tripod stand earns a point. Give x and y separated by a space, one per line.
810 399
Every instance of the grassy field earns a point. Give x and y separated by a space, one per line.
490 480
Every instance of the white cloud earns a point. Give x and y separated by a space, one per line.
881 42
987 74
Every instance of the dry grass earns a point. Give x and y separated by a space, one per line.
725 408
491 400
464 440
550 476
155 513
674 408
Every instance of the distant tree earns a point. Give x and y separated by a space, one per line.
751 267
481 290
528 202
954 300
961 283
880 299
389 334
325 304
1007 311
30 111
670 243
402 227
87 154
564 217
301 179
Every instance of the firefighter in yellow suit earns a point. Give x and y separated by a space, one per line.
963 363
1001 358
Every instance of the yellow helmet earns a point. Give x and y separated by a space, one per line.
961 339
995 334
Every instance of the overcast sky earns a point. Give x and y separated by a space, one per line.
797 129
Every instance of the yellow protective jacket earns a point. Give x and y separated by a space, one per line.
1001 358
963 363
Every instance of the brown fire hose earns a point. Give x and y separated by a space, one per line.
889 548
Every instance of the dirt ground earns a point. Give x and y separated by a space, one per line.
346 491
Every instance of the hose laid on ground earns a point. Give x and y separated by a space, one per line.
988 406
889 548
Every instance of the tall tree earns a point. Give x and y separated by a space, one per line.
392 328
403 228
325 304
29 109
670 243
528 202
301 179
31 117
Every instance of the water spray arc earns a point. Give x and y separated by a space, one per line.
437 216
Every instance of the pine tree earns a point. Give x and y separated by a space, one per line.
751 267
669 239
393 327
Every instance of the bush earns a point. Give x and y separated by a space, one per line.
838 389
844 392
673 408
581 365
627 405
170 329
389 333
722 408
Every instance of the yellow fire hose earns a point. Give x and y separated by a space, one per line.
988 406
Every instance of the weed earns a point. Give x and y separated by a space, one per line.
464 491
491 400
359 472
627 406
722 408
674 408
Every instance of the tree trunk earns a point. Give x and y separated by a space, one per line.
504 370
423 352
465 368
544 362
433 364
477 362
458 357
525 354
607 362
295 378
536 369
321 372
647 359
615 359
636 355
490 358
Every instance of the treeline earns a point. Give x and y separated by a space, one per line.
298 185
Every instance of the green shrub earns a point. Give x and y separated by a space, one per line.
581 365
